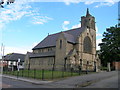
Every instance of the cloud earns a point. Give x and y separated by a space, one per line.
14 12
105 4
97 33
88 2
20 49
41 19
20 9
65 23
97 43
68 2
76 26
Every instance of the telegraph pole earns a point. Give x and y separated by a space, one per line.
2 55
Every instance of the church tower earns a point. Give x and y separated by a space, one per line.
87 40
88 20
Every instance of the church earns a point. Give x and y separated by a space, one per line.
72 49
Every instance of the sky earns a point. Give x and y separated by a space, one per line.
25 23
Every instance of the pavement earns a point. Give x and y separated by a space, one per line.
34 81
70 82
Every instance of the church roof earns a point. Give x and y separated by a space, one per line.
50 40
43 54
69 37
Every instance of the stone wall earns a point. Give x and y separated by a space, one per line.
44 50
88 59
42 63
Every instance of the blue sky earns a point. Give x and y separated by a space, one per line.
25 24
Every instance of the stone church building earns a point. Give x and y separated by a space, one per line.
72 49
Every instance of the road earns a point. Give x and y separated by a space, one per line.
96 80
111 82
12 83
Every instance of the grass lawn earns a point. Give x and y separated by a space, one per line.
39 74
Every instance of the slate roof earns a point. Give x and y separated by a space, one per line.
69 38
44 54
50 40
14 57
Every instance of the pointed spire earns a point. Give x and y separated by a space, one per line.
87 13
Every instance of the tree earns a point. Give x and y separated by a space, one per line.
7 2
110 46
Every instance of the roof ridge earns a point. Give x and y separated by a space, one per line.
64 31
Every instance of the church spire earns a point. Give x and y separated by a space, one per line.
87 13
88 20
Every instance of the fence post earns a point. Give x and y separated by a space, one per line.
52 73
34 73
7 72
13 72
63 73
28 72
42 74
71 71
17 74
22 72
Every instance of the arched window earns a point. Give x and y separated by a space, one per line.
60 44
87 45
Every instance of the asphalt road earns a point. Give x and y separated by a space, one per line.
111 82
97 80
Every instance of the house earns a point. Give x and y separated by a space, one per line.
3 63
71 49
12 60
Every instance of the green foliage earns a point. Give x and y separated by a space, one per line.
110 46
104 68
